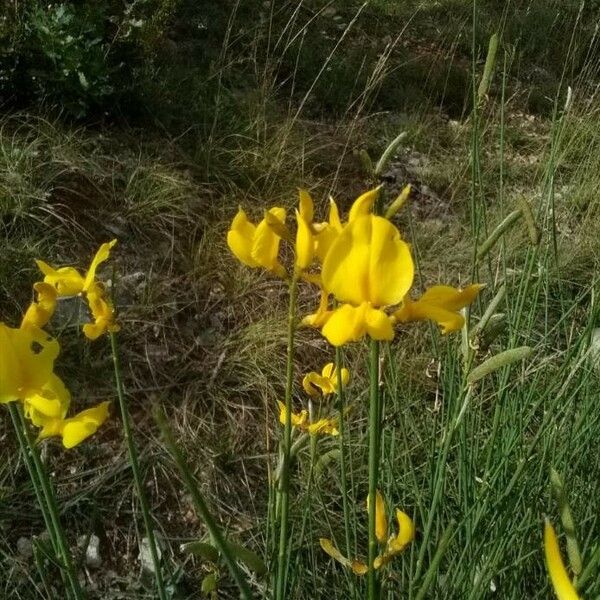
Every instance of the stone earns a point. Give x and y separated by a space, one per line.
145 556
25 547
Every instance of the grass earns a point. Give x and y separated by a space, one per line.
206 338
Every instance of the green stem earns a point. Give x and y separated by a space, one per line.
342 424
35 481
200 505
59 540
135 468
284 480
374 432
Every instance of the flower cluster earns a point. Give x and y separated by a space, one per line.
317 385
29 353
363 265
390 545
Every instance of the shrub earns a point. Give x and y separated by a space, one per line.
83 57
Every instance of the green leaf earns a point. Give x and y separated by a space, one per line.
209 584
250 559
204 550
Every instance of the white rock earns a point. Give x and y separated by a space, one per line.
25 547
146 556
92 553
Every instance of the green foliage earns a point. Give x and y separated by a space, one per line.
82 57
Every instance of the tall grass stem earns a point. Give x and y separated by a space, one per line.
284 481
135 469
374 433
50 508
200 505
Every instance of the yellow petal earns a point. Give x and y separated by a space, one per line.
381 524
78 428
451 298
278 227
406 533
102 312
561 583
421 311
66 280
330 549
368 262
26 361
297 419
316 385
305 206
102 255
50 427
328 370
51 402
441 304
327 233
346 324
40 311
334 215
319 318
359 568
240 238
265 245
323 426
363 205
379 325
305 244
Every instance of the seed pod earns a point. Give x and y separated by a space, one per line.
498 361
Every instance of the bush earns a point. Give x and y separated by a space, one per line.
84 57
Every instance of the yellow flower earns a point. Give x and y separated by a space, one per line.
298 419
561 583
394 545
103 313
397 544
48 407
440 303
74 430
381 524
358 567
301 421
324 384
257 245
51 402
367 268
40 311
67 281
323 426
26 361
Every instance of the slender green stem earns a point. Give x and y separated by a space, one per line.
201 507
135 469
51 505
339 363
284 480
374 432
429 577
35 481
